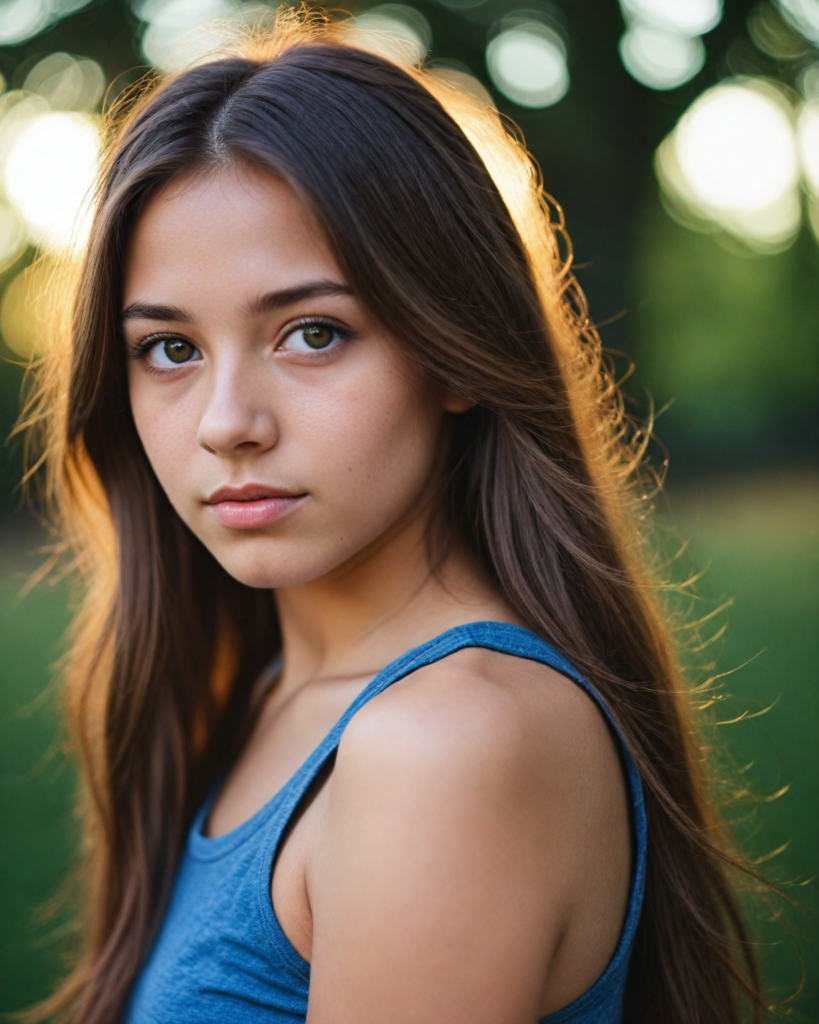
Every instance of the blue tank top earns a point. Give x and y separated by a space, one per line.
221 956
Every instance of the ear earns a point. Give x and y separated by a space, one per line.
456 403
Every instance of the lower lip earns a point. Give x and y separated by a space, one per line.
251 515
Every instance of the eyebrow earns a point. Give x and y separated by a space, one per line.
149 311
261 304
271 301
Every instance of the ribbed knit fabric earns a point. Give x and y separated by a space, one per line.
221 956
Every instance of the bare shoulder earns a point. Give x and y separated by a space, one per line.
488 716
483 788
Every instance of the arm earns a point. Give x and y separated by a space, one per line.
448 872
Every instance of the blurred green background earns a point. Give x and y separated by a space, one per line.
682 141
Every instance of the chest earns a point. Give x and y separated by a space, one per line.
221 953
286 733
288 728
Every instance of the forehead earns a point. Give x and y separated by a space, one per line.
234 228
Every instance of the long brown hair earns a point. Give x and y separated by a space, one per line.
438 222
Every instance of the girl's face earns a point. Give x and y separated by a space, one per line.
283 423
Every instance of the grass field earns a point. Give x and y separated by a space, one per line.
759 539
758 544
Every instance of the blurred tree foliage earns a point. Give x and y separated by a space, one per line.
730 339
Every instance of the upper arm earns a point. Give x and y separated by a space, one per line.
445 878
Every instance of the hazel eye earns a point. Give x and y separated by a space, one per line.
173 352
312 337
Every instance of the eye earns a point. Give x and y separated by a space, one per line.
169 353
313 336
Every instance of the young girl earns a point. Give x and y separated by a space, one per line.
379 718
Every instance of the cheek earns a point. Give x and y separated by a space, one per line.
165 430
376 442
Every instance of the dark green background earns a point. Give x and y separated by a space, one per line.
729 338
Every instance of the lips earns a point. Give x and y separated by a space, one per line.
252 506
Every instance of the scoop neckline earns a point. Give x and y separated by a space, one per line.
203 847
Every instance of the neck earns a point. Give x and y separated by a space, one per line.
385 600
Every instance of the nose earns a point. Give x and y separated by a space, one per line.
238 416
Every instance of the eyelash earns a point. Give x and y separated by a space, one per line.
144 346
319 321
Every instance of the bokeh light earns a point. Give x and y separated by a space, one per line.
808 134
809 81
660 59
396 31
66 82
180 32
48 153
48 172
17 108
175 35
22 19
772 35
732 161
24 312
527 63
736 148
803 15
13 234
661 47
682 17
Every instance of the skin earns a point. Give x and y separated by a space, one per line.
480 801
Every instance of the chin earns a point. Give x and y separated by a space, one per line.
267 565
